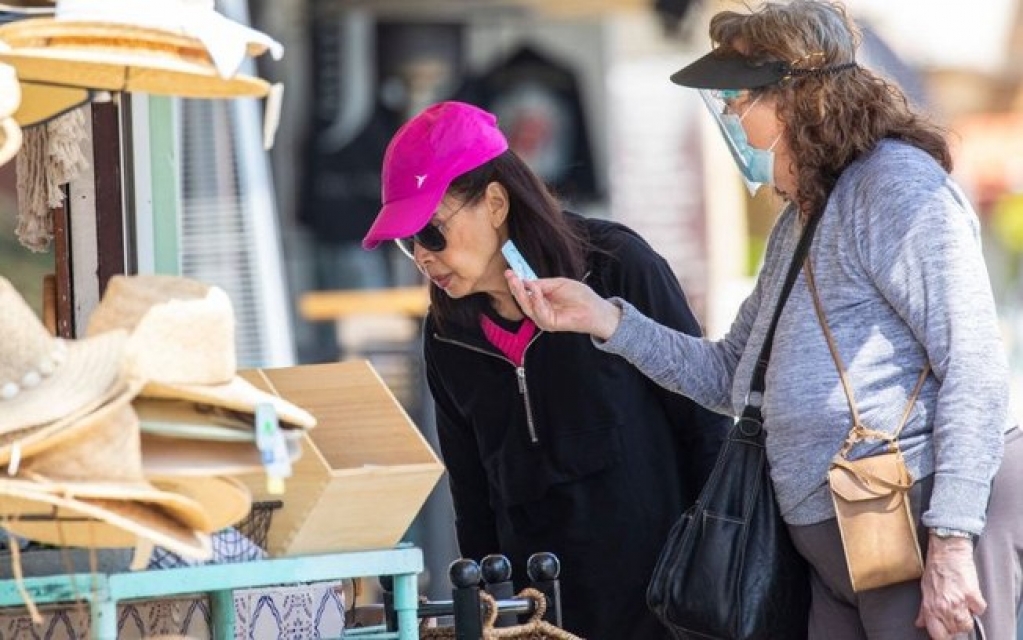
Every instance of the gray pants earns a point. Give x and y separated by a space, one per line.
888 613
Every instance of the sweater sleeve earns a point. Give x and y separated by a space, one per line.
647 281
475 523
919 241
697 367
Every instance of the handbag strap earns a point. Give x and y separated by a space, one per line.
758 381
858 431
978 629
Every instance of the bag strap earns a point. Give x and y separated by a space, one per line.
758 381
978 629
858 431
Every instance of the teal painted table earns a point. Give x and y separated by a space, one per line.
103 591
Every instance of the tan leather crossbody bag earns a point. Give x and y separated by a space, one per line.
871 495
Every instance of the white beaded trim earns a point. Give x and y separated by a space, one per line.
44 369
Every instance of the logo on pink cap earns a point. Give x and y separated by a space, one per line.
443 142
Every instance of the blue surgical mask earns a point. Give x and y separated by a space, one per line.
755 165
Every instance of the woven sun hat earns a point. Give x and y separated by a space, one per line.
93 473
10 98
100 457
182 343
46 382
53 518
170 457
41 103
171 47
192 421
226 500
27 7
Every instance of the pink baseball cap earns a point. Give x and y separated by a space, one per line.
428 152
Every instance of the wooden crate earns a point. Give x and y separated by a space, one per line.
365 470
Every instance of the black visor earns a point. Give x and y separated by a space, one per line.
719 70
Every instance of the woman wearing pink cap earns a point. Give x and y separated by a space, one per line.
550 443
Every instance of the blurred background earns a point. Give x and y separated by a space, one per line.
581 89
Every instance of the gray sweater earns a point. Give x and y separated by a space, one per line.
901 276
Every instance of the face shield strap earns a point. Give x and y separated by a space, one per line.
819 71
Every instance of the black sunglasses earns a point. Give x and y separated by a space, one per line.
431 237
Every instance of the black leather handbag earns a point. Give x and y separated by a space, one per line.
728 570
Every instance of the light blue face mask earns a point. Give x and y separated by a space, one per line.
756 165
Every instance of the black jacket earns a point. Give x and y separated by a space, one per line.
576 452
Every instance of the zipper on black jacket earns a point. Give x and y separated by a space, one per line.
520 376
520 373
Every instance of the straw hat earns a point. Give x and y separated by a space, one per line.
226 500
174 47
45 381
182 343
164 457
28 7
10 98
43 102
182 419
27 441
98 462
101 457
183 439
52 518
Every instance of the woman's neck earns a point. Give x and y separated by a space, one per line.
505 306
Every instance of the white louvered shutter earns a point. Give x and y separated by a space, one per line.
230 233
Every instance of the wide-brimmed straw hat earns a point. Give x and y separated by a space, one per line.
227 501
182 343
41 103
53 518
174 47
46 381
192 421
10 98
164 457
99 458
28 7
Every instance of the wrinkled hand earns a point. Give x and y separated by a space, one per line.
561 304
951 592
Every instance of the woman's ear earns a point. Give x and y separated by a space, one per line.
496 197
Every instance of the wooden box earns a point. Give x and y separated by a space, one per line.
365 470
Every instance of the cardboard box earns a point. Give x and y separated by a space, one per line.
365 470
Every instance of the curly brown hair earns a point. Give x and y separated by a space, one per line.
833 111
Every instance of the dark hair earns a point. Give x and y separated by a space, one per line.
831 119
549 241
